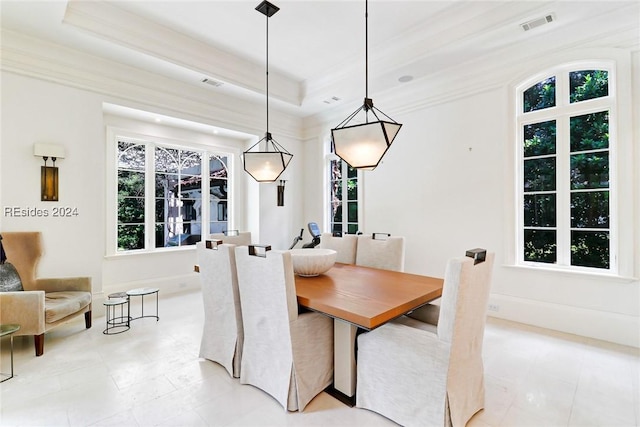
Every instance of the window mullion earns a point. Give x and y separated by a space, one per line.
563 191
563 210
205 204
150 196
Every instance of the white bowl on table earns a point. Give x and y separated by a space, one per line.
312 262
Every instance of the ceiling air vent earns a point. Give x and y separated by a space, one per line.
534 23
331 100
212 82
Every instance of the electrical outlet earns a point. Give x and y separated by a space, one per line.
494 307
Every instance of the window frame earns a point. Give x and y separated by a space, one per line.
327 186
114 135
562 112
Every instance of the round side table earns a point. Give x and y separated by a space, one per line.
141 292
116 324
5 330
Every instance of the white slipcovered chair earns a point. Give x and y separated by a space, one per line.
222 335
345 246
234 237
286 354
419 374
386 252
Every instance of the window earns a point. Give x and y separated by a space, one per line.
343 211
564 154
162 196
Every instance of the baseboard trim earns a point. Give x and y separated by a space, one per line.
612 327
167 285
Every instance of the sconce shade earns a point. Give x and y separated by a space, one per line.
281 193
266 166
362 146
48 183
48 174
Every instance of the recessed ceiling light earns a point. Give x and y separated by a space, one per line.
405 79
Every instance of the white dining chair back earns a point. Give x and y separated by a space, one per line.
380 251
241 238
222 335
345 246
440 381
286 354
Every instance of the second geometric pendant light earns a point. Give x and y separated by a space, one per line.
267 165
360 142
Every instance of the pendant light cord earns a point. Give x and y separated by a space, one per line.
366 49
267 74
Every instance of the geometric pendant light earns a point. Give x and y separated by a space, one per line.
267 165
363 143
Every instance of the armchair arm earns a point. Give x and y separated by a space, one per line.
25 308
64 284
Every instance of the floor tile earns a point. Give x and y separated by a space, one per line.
152 375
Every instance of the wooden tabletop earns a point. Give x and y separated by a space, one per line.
366 297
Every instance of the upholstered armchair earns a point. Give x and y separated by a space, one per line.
286 354
421 372
45 302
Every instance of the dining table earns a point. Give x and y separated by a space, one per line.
359 297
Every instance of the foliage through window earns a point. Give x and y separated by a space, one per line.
161 195
344 204
564 156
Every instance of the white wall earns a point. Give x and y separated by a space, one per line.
446 184
34 110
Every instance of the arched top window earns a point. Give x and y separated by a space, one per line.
566 194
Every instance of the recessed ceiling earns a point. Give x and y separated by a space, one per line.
316 48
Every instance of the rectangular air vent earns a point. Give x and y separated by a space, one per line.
212 82
331 100
534 23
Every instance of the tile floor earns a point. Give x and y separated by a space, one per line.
151 375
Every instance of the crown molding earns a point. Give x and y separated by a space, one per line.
120 83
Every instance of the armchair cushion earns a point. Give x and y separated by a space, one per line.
9 278
59 305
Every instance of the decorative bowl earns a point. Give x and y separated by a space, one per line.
312 262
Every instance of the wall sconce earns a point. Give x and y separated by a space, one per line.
49 174
281 192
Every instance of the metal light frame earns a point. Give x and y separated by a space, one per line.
362 145
268 165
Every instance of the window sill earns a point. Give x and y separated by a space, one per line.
161 251
574 273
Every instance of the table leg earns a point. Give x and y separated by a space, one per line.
344 357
